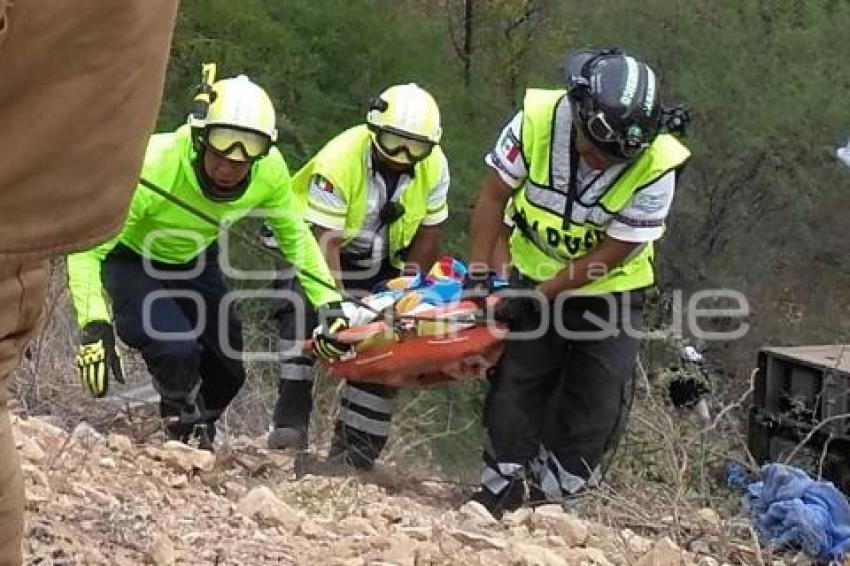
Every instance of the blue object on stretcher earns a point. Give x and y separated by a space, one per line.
442 291
791 509
442 285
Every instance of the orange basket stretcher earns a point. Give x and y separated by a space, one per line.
439 345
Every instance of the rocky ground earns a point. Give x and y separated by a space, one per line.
105 500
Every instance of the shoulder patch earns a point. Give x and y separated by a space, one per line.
324 184
510 146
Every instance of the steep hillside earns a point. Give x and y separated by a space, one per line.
105 500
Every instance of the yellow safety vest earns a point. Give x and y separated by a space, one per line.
343 162
548 238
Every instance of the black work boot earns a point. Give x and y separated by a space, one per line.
187 433
284 437
178 430
510 499
355 448
291 415
333 466
205 434
176 427
536 497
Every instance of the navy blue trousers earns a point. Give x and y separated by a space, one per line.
178 363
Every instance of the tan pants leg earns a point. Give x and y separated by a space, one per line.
11 496
22 289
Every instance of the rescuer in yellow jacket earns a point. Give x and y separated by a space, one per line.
162 273
589 173
376 196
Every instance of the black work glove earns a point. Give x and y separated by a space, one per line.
516 310
97 357
325 345
477 286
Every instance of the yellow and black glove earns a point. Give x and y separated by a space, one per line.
97 358
326 345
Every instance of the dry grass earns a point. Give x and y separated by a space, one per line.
669 475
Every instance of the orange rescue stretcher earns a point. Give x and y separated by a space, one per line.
438 345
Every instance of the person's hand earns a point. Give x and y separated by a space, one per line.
478 285
514 310
97 357
326 345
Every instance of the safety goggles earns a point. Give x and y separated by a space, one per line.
601 131
235 143
395 144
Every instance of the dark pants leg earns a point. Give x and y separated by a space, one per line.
220 343
587 414
514 414
178 365
363 427
365 409
556 403
295 323
365 412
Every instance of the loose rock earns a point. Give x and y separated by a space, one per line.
161 551
663 553
553 519
261 503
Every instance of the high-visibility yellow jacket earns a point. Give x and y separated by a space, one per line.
165 232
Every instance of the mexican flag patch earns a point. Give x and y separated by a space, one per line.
510 146
324 185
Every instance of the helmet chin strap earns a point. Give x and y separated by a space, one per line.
209 187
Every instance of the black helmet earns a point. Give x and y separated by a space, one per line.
615 101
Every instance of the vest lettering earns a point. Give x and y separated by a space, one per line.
553 237
573 245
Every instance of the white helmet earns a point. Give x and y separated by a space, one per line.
405 121
239 121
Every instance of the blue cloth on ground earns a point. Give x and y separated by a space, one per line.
791 509
736 475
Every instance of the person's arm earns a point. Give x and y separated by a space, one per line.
486 222
85 285
425 248
298 245
500 260
609 254
84 269
507 173
330 242
639 223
